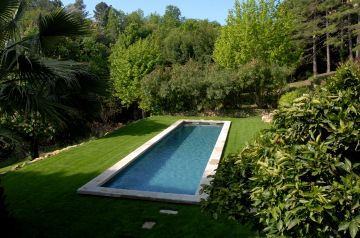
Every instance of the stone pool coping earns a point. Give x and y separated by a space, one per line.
94 187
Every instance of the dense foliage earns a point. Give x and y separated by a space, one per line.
300 178
194 39
129 65
256 30
198 87
37 92
157 41
328 31
190 87
288 97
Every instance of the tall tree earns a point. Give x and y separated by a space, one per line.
328 7
172 16
308 28
345 26
357 32
101 13
78 8
115 24
194 39
256 30
129 65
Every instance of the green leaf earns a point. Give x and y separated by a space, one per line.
329 206
347 165
280 225
344 226
293 223
353 227
274 213
332 126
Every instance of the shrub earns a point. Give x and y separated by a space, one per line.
264 81
287 98
199 87
190 87
301 176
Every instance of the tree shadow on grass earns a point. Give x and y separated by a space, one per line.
138 128
46 204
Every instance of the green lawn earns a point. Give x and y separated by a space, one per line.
43 198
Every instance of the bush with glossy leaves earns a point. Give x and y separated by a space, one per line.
300 178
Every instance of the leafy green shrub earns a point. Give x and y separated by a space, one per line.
300 178
189 87
199 87
287 98
264 80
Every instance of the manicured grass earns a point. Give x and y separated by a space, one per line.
43 198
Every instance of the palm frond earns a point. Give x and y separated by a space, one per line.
59 24
39 85
7 10
31 83
8 13
26 99
32 69
11 28
87 98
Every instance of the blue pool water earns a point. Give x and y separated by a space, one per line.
174 165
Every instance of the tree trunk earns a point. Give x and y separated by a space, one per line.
357 53
143 114
342 44
314 57
328 59
34 147
351 57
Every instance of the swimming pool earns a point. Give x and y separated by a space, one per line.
172 166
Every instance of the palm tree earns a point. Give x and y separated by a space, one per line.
33 85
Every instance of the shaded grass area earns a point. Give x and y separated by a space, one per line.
8 163
42 195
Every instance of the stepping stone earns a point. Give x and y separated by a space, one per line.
148 225
169 212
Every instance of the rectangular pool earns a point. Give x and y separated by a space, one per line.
172 166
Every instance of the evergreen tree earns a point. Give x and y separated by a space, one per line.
172 16
115 24
308 28
346 20
101 13
328 7
330 24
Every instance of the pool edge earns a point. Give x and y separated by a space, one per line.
94 186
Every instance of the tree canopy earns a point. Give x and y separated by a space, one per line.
256 30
